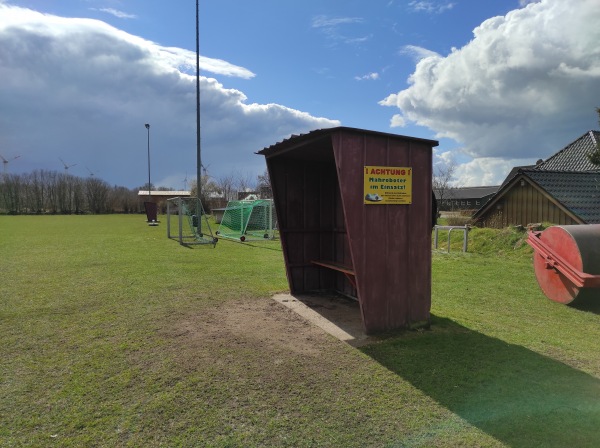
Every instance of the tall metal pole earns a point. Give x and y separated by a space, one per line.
149 184
198 152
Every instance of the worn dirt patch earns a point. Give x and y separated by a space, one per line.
297 326
253 324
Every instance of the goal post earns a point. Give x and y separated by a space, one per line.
190 222
248 220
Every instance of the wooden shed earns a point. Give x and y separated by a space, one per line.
354 214
562 190
535 196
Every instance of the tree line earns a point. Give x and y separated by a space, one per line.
43 191
53 192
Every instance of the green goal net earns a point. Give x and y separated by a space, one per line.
248 220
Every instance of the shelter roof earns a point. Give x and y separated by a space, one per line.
316 135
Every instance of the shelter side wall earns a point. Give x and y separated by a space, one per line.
390 244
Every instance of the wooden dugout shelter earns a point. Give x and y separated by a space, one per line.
346 224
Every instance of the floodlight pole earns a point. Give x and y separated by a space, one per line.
198 152
149 184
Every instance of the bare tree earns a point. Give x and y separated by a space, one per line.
148 187
37 191
44 191
11 193
442 179
122 200
28 196
52 187
226 185
207 191
65 191
78 195
96 192
244 182
263 185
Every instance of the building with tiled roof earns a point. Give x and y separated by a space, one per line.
464 198
563 190
578 193
574 156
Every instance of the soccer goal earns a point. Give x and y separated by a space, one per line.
248 220
190 221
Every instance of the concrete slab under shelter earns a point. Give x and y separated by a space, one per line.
335 314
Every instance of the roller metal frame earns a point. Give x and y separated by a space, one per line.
554 261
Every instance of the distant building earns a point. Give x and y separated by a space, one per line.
563 190
160 197
250 195
467 198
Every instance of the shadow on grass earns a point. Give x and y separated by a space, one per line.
591 304
520 397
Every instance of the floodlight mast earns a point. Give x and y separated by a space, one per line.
198 150
149 185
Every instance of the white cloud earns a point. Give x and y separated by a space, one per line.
397 121
524 87
477 172
331 22
33 25
330 26
116 13
434 7
418 53
368 77
443 159
486 171
82 90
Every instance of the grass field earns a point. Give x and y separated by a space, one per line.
113 335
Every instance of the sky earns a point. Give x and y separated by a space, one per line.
499 83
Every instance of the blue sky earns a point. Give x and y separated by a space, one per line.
498 82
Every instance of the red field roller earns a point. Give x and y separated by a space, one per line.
567 262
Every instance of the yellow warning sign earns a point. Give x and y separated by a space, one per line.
388 185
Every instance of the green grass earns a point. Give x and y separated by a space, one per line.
114 335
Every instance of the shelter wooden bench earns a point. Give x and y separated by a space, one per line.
346 270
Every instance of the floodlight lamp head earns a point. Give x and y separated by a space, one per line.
147 126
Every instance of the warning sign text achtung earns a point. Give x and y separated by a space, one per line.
388 185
